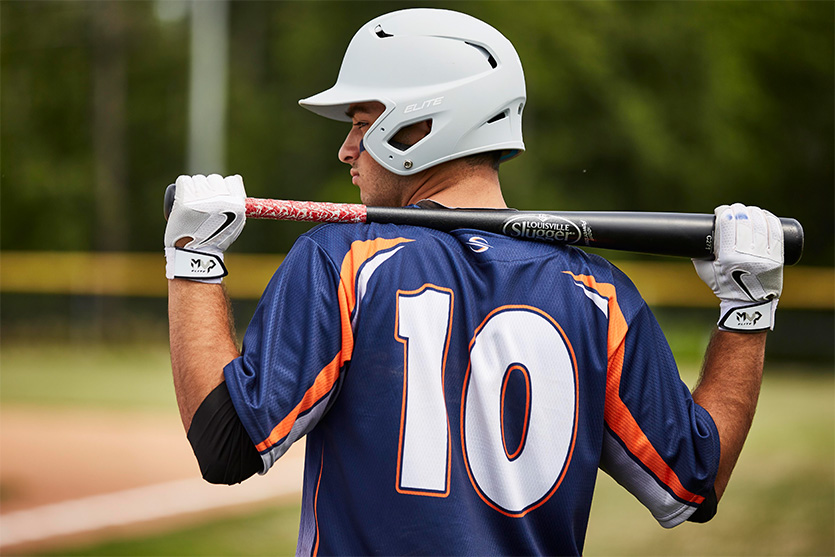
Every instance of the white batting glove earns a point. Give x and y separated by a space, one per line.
747 272
211 211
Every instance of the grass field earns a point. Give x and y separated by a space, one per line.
781 500
90 375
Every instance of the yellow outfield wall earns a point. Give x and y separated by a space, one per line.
662 283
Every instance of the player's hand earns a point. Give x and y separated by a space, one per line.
208 214
747 272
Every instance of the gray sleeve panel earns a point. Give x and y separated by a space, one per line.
301 427
666 509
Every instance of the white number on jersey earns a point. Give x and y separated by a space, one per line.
511 339
423 322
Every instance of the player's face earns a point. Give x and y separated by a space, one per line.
378 187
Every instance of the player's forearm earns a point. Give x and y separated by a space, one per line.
728 389
202 341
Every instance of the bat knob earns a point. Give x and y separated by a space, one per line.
168 200
793 240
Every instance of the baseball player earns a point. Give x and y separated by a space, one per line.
459 390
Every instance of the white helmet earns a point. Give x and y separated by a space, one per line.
428 64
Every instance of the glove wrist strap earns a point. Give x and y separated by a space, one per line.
751 318
194 265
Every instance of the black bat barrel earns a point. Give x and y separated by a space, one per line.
678 234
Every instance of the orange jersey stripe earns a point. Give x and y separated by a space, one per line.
321 386
616 413
359 253
316 504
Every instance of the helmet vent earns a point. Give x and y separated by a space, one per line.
380 33
403 147
497 117
486 53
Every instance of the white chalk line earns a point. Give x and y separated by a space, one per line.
141 504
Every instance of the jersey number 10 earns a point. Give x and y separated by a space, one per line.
510 339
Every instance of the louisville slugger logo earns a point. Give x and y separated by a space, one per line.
542 227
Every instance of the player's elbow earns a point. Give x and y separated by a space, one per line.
223 470
707 510
223 449
215 474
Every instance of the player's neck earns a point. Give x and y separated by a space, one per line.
460 185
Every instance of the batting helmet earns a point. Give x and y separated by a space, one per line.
429 64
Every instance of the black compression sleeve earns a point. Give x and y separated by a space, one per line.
706 510
223 448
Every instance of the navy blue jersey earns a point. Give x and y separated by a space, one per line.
459 392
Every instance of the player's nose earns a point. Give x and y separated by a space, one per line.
350 149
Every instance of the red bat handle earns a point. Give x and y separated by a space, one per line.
304 211
279 209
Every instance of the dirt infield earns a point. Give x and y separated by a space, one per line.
58 466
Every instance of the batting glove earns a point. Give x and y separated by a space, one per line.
211 212
747 272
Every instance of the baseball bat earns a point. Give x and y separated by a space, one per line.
677 234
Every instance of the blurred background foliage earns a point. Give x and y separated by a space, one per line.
657 106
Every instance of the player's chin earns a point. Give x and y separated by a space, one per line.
372 200
364 197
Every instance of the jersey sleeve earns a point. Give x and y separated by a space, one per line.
658 443
294 352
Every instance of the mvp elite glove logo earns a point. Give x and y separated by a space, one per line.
199 266
749 319
745 319
190 264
